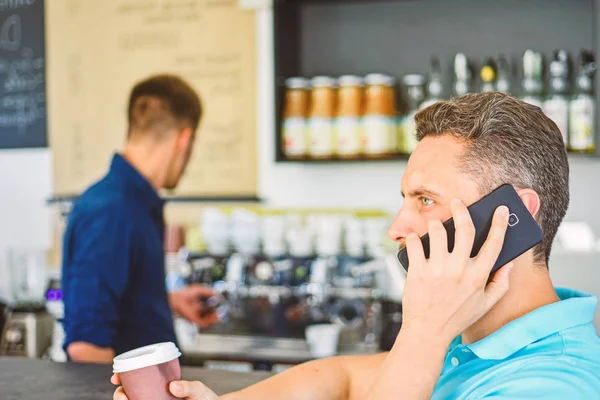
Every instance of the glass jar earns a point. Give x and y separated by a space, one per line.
295 141
380 113
349 117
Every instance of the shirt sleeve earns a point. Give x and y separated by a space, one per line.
95 273
557 378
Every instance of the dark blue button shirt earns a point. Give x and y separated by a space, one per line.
113 264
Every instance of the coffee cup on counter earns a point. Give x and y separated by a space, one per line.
322 339
146 372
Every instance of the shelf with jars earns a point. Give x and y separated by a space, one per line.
348 91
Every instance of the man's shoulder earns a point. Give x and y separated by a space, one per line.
558 377
582 343
565 364
103 198
577 346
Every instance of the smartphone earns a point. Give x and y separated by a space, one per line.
522 232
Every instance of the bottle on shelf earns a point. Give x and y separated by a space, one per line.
488 74
415 90
321 117
582 107
503 82
295 112
379 127
463 75
435 85
349 116
532 84
556 105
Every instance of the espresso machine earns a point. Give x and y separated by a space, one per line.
277 276
28 329
277 299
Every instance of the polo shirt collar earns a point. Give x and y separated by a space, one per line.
139 186
575 308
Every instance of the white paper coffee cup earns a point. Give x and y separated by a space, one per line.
323 339
146 372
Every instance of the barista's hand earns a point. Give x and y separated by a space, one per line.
186 302
181 390
447 293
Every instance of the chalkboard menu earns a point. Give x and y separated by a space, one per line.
22 74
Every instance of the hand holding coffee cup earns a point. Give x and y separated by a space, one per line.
179 389
146 372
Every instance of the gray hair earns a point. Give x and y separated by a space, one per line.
508 141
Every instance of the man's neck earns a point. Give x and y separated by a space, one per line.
530 288
148 161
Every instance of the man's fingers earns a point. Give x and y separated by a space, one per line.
438 241
120 394
209 320
115 380
193 314
493 244
465 230
199 290
498 286
414 248
191 391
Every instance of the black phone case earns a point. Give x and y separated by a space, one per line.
522 234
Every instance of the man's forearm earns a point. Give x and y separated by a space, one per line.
315 380
88 353
412 367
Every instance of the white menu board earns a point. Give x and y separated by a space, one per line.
96 52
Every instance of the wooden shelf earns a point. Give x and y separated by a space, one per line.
335 160
175 199
392 158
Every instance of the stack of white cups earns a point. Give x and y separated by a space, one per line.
273 235
299 235
354 237
216 229
375 230
328 234
246 231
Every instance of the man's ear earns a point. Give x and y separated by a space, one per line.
531 200
184 138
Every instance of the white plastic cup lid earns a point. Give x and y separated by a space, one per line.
146 356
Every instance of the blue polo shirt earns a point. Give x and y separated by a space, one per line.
551 353
113 264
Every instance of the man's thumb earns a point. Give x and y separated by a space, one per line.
499 285
191 391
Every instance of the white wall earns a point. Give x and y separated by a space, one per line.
25 221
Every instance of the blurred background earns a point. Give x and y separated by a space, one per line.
282 210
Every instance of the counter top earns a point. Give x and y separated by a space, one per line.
22 379
254 348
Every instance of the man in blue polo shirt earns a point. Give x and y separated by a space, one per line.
516 337
113 260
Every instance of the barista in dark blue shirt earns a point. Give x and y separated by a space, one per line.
113 259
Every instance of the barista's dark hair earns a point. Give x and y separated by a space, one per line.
161 102
508 141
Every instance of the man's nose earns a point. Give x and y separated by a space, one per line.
400 228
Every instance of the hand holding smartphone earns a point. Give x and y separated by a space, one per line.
522 233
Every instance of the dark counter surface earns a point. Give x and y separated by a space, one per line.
22 379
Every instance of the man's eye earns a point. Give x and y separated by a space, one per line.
425 201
